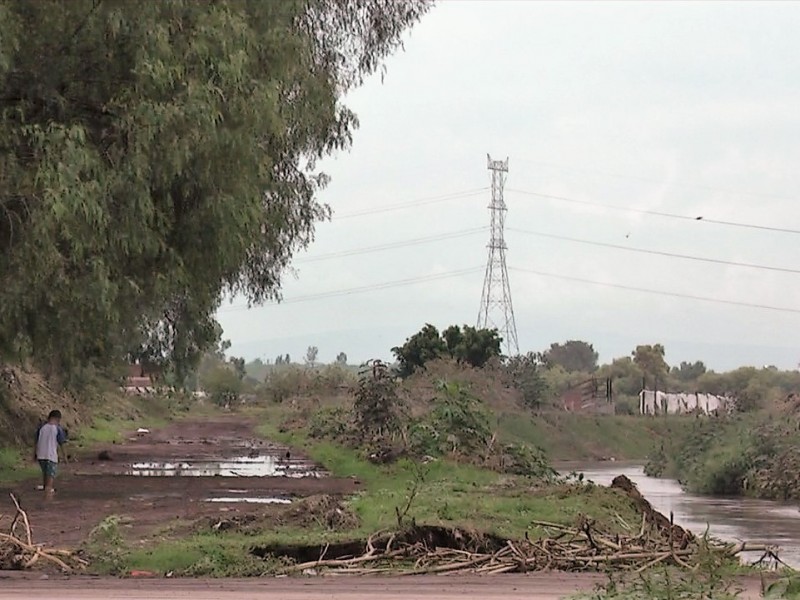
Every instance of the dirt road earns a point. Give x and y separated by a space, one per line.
185 471
538 586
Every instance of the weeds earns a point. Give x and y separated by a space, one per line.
710 579
106 546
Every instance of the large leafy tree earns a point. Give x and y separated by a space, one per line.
159 155
465 344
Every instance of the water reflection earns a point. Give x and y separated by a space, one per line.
246 500
259 466
729 519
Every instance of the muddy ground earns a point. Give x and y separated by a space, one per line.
193 462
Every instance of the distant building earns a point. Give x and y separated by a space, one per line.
139 381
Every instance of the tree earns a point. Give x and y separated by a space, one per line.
465 344
421 347
157 156
687 371
223 384
470 345
526 376
311 355
650 360
573 355
341 359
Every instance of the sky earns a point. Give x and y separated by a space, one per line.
678 107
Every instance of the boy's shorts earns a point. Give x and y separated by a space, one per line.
49 468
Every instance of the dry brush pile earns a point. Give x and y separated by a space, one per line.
18 551
585 547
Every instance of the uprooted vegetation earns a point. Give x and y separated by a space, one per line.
387 422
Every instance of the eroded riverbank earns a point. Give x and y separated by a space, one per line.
730 519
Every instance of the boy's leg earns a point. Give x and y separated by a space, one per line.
50 479
43 467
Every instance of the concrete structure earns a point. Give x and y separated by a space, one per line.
667 403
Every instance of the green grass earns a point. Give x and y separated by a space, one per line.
568 437
14 467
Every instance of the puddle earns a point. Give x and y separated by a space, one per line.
246 466
246 500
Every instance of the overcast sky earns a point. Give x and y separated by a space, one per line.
684 108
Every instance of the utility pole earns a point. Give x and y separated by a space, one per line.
497 311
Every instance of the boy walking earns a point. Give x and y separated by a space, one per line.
49 437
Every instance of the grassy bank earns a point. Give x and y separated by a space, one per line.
753 454
567 437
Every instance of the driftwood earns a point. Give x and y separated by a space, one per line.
17 551
581 548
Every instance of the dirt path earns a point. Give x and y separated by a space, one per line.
539 586
205 466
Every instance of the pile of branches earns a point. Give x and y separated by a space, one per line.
581 548
17 550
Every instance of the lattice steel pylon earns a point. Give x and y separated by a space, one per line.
497 310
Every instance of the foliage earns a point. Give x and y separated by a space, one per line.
457 423
159 155
330 423
573 355
106 546
526 376
341 359
223 384
710 579
749 454
686 371
284 381
650 360
465 344
311 355
377 409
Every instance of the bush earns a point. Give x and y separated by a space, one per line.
330 423
626 406
378 411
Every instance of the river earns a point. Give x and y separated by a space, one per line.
730 519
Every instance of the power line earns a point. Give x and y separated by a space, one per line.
363 288
656 252
412 204
656 213
659 292
685 184
393 245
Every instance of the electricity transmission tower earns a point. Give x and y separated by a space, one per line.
496 311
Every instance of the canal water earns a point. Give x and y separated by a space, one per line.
729 519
